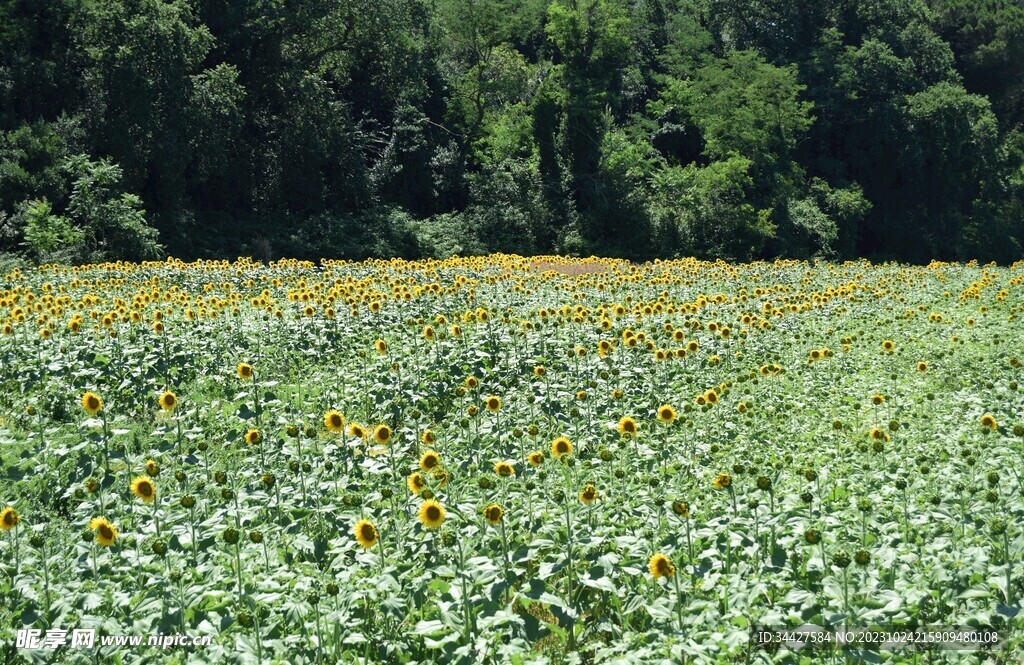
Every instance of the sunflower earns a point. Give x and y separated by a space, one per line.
428 332
382 348
877 399
382 434
722 481
430 460
365 533
922 366
711 396
888 345
627 426
92 403
441 476
431 514
539 371
152 468
536 458
504 469
877 434
144 488
666 413
455 330
561 447
681 508
9 518
428 437
244 371
589 494
494 513
356 430
416 482
168 401
493 403
989 421
471 382
660 566
334 421
106 533
253 436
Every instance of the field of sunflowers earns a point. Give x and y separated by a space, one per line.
508 459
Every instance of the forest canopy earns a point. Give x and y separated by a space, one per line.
739 129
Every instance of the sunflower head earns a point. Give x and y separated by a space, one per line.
472 382
589 494
152 468
334 421
666 413
382 347
429 460
504 469
365 533
9 518
382 434
428 438
92 403
253 436
660 566
244 371
493 403
922 366
416 482
536 458
106 533
877 399
494 513
627 426
144 488
431 514
168 401
356 430
888 346
681 508
722 481
561 447
988 421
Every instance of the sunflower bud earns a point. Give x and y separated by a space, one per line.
256 537
862 557
841 559
159 548
230 536
812 536
188 501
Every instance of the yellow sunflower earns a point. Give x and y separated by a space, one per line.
356 430
253 436
536 458
431 514
589 494
168 401
666 413
428 438
144 488
494 513
722 481
334 421
106 533
660 566
382 347
561 447
382 434
493 403
989 421
244 371
416 482
504 469
366 533
9 518
627 426
92 403
429 460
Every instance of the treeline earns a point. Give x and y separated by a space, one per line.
638 128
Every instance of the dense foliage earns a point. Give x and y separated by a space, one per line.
636 128
506 460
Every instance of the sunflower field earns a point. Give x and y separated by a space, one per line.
507 459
